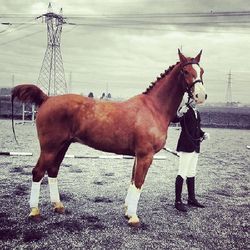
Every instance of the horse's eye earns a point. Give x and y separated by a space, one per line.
185 72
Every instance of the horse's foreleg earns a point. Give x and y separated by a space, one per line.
131 203
134 191
129 193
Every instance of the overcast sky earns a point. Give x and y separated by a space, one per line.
121 46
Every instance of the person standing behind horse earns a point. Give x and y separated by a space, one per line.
189 148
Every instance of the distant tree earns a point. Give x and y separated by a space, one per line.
109 95
91 95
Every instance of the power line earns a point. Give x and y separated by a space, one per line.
141 14
19 25
116 16
156 21
20 38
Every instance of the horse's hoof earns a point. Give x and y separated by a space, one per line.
126 212
126 216
35 214
134 221
58 207
125 208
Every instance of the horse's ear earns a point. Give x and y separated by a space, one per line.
181 56
198 57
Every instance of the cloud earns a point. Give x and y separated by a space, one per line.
38 8
127 44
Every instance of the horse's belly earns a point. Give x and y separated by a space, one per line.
110 144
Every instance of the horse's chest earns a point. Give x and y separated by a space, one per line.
156 136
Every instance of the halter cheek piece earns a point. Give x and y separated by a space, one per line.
186 87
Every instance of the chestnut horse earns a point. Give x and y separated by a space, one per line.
136 127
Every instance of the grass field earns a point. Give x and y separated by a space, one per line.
93 193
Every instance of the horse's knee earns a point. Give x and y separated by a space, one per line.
138 183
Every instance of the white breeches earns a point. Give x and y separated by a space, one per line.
187 164
132 199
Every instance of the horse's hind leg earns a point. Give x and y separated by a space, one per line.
53 182
38 174
50 162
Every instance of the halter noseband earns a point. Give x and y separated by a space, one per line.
188 88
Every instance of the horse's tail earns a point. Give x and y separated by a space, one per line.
12 118
27 93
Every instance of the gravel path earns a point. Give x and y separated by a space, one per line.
93 192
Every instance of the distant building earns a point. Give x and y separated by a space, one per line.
5 91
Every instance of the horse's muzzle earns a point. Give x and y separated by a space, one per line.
199 94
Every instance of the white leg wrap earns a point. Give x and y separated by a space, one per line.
34 194
132 200
53 189
128 196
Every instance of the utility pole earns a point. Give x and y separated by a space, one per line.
70 82
107 89
13 80
229 89
51 77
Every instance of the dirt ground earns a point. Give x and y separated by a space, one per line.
93 192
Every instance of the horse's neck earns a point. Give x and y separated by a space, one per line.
168 93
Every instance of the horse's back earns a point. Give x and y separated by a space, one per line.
93 122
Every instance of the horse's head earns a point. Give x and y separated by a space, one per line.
191 76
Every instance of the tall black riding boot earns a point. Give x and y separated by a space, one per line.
178 190
191 193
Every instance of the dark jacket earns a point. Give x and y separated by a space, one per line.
191 133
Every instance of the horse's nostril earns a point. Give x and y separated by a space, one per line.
205 96
196 95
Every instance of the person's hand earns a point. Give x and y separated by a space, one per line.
206 136
182 111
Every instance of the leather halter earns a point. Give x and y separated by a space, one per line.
188 88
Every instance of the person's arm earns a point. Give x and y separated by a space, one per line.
201 133
204 135
176 119
180 113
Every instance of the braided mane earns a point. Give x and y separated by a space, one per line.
151 86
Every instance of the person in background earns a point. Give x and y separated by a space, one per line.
189 148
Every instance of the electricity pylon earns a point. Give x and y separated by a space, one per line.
51 77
